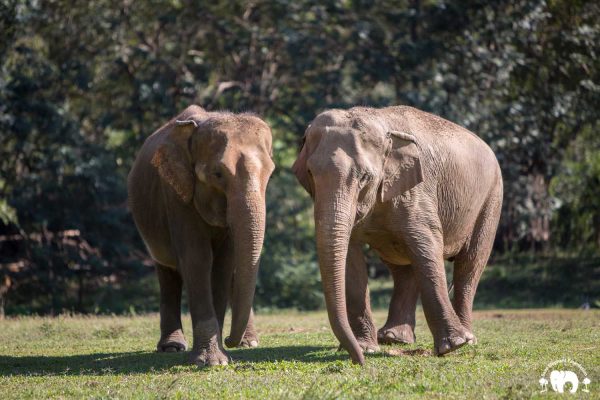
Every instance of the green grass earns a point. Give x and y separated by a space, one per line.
112 357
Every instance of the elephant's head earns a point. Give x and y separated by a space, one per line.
348 168
219 164
558 380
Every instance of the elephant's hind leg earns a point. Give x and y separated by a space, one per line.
171 333
400 324
471 261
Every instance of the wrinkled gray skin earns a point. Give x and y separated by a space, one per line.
418 189
197 195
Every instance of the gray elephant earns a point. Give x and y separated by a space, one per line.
197 195
419 190
558 379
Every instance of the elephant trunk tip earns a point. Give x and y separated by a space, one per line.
231 343
359 359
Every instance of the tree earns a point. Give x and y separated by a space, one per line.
83 84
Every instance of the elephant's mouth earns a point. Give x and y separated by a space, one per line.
365 205
361 218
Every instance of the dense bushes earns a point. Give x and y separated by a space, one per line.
81 86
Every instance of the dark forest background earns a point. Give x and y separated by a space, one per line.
83 83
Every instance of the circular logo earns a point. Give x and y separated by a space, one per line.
565 374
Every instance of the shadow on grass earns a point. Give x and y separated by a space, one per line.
143 362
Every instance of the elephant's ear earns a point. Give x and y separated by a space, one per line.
300 169
172 160
402 166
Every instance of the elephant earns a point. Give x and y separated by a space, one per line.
197 196
416 188
558 379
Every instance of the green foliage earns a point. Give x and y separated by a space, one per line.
8 214
82 85
577 189
528 281
73 226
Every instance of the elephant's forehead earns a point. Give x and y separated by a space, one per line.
354 142
233 137
236 133
232 125
334 140
358 133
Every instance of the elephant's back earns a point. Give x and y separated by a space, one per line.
146 199
469 179
444 140
462 171
143 181
147 196
146 203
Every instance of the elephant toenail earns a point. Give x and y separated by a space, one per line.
254 343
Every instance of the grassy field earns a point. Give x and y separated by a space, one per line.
112 357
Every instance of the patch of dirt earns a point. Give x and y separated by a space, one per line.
413 352
535 314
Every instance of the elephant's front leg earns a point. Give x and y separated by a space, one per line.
207 349
358 304
400 324
427 258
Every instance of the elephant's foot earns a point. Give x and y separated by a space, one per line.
172 343
250 339
450 342
403 334
367 346
365 333
473 340
209 357
467 324
246 342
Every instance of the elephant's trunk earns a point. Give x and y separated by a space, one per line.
334 219
246 212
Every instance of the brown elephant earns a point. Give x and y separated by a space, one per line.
197 195
418 189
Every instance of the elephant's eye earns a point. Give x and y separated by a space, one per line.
218 174
366 177
218 179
